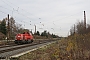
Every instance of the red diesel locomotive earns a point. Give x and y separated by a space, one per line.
24 38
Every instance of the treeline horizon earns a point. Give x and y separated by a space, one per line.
15 28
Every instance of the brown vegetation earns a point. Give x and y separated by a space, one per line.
73 48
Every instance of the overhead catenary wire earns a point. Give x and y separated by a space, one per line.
11 10
15 10
3 12
44 23
19 12
28 12
19 8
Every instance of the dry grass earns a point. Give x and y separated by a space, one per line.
73 48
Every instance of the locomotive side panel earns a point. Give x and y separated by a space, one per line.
24 38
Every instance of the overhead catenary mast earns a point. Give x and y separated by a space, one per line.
84 20
74 28
8 34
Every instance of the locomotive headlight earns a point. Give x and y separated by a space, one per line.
18 36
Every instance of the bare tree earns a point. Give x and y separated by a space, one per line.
80 28
88 28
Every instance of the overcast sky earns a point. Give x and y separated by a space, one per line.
55 16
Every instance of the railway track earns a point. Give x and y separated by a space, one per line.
6 49
11 43
15 47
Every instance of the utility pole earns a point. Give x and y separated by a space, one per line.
35 33
8 34
85 21
74 28
35 29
